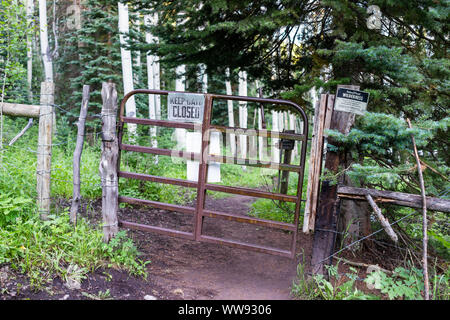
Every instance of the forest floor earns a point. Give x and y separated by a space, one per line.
184 269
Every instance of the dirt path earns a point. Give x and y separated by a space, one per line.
194 270
181 269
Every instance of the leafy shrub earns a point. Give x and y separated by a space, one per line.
45 249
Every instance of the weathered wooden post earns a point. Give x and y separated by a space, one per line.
77 156
315 164
44 151
327 213
108 162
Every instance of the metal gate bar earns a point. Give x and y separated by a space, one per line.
199 212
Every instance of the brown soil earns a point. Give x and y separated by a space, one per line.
184 269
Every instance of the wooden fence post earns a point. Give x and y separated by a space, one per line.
44 151
327 212
77 156
108 163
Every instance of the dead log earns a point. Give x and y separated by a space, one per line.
384 222
397 198
22 132
77 156
108 163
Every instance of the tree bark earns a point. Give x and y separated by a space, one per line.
29 13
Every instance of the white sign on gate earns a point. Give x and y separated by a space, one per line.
185 107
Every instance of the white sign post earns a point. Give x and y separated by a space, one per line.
353 101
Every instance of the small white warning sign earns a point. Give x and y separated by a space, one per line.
353 101
186 107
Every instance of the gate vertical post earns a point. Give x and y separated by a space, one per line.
44 151
108 163
203 168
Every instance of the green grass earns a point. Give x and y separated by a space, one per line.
54 248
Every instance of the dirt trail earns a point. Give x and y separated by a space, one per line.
182 269
195 270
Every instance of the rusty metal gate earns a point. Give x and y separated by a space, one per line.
199 212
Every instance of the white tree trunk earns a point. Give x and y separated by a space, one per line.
232 141
127 71
275 141
153 70
292 126
45 49
180 134
29 13
243 114
260 139
203 77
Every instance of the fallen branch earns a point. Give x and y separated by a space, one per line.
21 133
384 222
370 267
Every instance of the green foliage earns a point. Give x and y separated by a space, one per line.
45 249
408 284
342 287
12 207
13 33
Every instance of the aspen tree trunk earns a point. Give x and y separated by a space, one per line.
275 141
45 49
127 71
153 69
260 139
243 114
203 78
292 126
180 134
29 13
230 112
